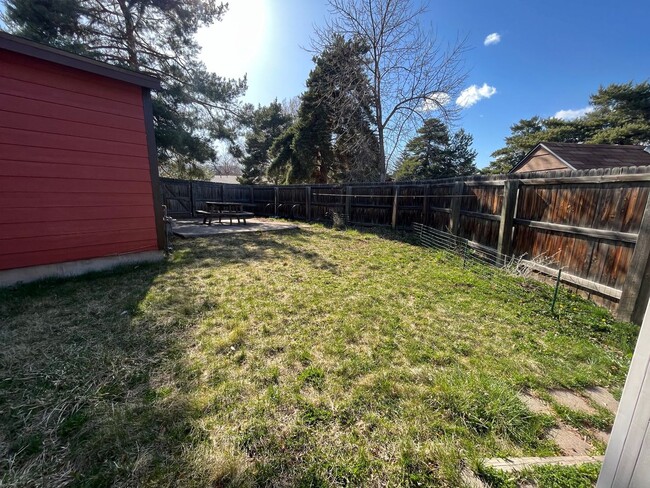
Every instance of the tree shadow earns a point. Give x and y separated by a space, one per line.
250 248
78 372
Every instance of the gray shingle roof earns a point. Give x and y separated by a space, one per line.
591 156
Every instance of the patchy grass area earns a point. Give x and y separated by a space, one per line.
306 358
583 476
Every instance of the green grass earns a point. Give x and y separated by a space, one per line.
307 358
549 476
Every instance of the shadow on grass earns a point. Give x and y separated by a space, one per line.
250 248
96 376
78 372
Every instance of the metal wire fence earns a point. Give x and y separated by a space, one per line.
483 262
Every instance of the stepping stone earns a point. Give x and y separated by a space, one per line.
601 436
569 441
534 404
519 464
470 479
603 398
572 400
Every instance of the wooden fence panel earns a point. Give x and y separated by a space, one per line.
177 197
439 206
293 203
480 214
371 204
236 193
205 191
263 200
326 199
411 204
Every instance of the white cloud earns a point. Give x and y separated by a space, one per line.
494 38
470 95
434 101
572 114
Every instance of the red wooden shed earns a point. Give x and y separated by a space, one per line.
78 169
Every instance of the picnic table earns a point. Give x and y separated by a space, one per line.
220 210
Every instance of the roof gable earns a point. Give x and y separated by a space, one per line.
19 45
592 156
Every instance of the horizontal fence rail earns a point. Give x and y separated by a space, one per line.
595 223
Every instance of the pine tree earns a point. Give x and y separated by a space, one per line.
266 124
435 153
332 138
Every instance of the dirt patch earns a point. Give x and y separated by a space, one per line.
603 397
572 400
534 404
570 442
600 435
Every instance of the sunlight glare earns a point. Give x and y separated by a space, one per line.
233 46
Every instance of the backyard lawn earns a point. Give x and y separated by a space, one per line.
311 357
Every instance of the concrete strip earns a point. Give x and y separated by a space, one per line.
195 228
18 276
519 464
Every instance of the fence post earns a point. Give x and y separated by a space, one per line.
393 220
636 288
252 194
456 200
348 203
508 209
425 205
308 203
192 202
276 199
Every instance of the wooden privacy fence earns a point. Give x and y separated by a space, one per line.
595 224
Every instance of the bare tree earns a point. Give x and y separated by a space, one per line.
411 73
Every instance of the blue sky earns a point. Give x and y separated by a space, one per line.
550 57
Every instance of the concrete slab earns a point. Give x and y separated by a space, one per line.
572 400
600 435
195 228
534 404
603 398
470 479
570 442
519 464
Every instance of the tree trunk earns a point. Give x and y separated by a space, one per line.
380 122
129 35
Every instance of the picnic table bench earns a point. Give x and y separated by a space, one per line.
220 210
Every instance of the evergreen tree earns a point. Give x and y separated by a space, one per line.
194 106
620 115
332 137
435 153
265 125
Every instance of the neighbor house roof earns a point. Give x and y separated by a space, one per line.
34 49
592 156
230 179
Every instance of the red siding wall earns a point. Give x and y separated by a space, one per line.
74 170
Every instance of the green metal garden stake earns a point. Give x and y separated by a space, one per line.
557 287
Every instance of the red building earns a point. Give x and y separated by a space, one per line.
78 168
